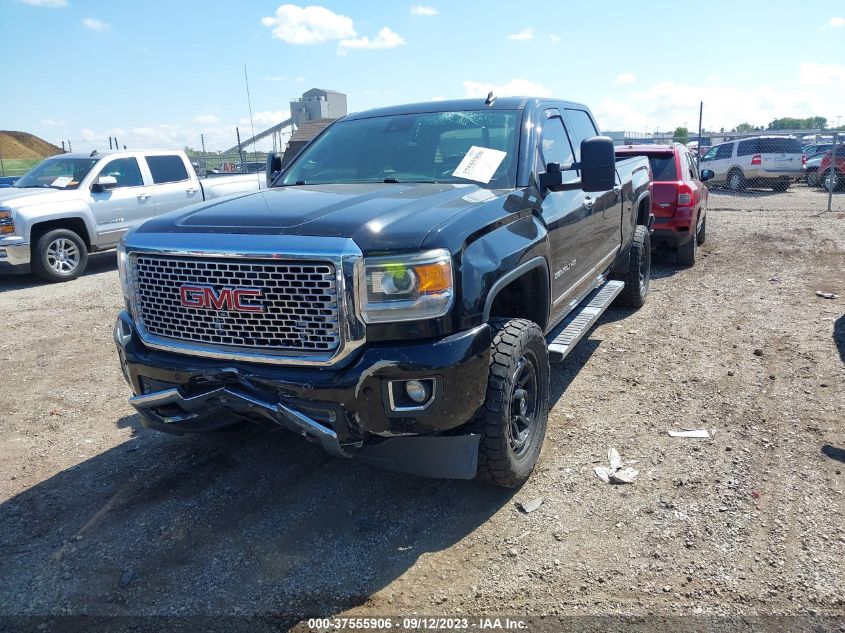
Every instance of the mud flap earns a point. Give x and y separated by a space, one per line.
442 457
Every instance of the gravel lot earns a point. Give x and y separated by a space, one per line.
101 516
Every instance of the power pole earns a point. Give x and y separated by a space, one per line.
202 140
240 149
700 114
116 144
64 151
69 147
110 147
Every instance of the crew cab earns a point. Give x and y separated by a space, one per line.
398 293
73 204
678 197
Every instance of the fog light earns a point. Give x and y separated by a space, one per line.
416 391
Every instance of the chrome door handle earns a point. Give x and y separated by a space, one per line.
191 190
617 190
587 204
144 196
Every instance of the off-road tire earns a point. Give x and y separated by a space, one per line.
702 232
639 261
499 462
44 255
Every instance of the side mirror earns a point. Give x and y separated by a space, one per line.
598 164
103 183
706 174
552 179
274 166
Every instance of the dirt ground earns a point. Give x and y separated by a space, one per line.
101 516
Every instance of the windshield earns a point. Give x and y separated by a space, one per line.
443 147
59 173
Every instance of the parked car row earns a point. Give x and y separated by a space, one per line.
817 166
763 161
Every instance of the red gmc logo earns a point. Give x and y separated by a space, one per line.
234 299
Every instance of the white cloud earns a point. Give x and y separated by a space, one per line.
264 119
813 74
308 25
524 34
274 78
385 39
513 88
421 9
299 79
626 78
837 22
438 98
207 119
554 38
96 25
50 4
668 104
53 122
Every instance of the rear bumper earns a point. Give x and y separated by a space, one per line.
14 256
676 230
347 410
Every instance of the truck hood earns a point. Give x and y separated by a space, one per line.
17 198
377 216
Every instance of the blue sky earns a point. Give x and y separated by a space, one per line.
157 74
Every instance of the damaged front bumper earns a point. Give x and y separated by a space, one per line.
346 410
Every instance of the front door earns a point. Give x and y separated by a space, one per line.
567 213
121 207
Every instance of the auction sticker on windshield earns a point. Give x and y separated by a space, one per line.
479 164
61 181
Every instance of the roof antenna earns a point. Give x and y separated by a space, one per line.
92 154
491 98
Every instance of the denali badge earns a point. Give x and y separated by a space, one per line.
234 299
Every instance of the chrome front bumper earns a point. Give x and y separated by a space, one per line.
224 399
14 252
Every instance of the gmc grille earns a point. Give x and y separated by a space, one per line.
299 300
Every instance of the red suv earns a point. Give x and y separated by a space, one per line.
678 197
832 179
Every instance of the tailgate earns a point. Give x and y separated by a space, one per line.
664 199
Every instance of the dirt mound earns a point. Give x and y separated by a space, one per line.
25 145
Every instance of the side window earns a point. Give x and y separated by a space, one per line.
747 148
580 126
126 171
554 143
711 154
167 169
724 151
692 167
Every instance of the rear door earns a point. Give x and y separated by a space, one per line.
664 187
119 208
174 184
780 157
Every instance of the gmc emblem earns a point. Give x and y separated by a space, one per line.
233 299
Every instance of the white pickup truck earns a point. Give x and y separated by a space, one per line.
73 204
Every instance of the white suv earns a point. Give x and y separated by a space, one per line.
762 161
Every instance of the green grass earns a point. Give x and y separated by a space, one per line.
17 166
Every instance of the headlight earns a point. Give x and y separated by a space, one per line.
7 222
406 288
123 269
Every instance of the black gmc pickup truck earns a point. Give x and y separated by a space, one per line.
399 291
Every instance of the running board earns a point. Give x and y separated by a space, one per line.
581 319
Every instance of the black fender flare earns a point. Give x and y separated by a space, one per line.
511 275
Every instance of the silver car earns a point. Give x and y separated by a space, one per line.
761 161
